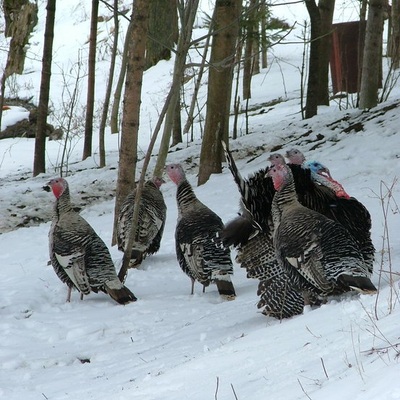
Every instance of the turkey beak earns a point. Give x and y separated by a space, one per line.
47 187
325 172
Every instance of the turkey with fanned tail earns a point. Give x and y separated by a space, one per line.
78 255
278 297
198 254
251 234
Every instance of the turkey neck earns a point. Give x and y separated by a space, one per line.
185 195
63 203
284 198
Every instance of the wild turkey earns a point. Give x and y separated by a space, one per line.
319 172
350 212
319 255
322 175
198 254
257 255
78 255
151 222
251 233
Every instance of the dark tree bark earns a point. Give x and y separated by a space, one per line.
177 125
264 39
87 146
187 15
39 163
106 105
20 17
372 56
190 116
131 109
313 70
114 124
394 34
249 48
226 23
162 31
326 8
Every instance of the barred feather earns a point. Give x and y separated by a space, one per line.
151 222
257 255
198 254
312 247
78 255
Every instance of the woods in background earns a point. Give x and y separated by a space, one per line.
234 49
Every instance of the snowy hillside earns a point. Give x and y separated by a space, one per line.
170 345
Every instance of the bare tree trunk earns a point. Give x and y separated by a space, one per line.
87 146
162 32
187 15
190 117
220 78
264 39
106 105
249 49
39 163
313 71
20 18
131 110
255 66
372 56
326 8
177 125
121 78
394 42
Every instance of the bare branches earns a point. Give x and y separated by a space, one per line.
389 207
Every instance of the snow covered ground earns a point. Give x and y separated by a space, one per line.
170 345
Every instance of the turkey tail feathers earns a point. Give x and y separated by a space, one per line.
225 286
360 284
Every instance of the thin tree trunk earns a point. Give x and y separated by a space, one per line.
106 105
131 110
220 79
39 163
190 118
248 49
87 146
162 32
326 8
114 125
394 42
177 125
2 89
313 71
264 39
187 15
372 56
